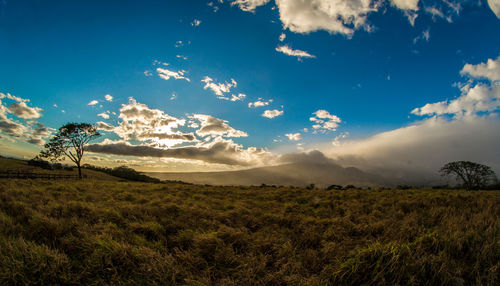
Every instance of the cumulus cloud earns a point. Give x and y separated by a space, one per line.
324 121
37 132
495 7
259 103
272 113
103 115
11 127
475 96
406 4
108 97
30 131
149 132
333 16
282 37
285 49
21 110
249 5
489 70
150 126
294 136
104 126
211 126
93 102
168 74
218 88
12 97
220 151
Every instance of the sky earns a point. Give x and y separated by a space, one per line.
235 84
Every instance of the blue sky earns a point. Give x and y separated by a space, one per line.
366 65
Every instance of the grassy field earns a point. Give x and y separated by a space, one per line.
98 232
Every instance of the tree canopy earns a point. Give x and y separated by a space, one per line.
473 175
70 141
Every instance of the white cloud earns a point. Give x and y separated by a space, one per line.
103 115
259 103
218 88
93 102
149 126
148 73
21 110
249 5
108 97
238 97
489 70
285 49
475 96
425 36
195 23
211 126
12 97
435 12
456 7
282 37
104 126
324 121
30 131
333 16
167 74
406 4
294 136
182 57
495 7
272 113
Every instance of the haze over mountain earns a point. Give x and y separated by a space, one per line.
301 169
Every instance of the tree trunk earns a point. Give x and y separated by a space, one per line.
79 171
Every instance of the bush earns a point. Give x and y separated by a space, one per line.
40 163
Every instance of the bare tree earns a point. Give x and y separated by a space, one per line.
70 141
473 175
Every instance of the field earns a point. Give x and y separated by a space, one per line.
98 232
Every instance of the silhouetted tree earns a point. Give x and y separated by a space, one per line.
70 141
473 175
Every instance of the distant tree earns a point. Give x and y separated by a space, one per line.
473 175
70 141
335 187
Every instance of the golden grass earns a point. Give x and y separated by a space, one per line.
96 232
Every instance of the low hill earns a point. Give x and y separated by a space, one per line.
295 174
18 165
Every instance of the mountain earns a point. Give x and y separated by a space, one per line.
296 174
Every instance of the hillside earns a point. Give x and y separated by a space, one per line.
294 174
122 233
17 165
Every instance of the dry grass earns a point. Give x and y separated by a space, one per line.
99 232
